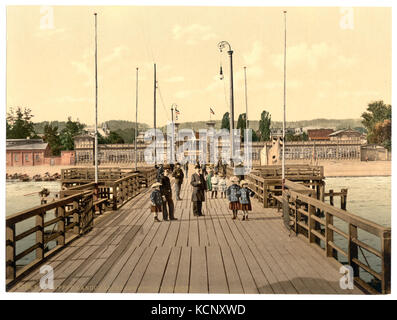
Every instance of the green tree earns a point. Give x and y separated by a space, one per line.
374 118
128 134
242 124
72 129
51 136
19 124
226 121
113 137
264 126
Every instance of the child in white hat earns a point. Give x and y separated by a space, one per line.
156 201
233 194
245 203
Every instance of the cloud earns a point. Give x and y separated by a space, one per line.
116 53
184 94
49 32
193 34
255 54
313 56
175 79
69 99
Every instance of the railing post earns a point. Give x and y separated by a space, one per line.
40 236
343 199
265 196
76 217
311 222
331 197
61 226
386 261
10 252
329 235
114 187
353 250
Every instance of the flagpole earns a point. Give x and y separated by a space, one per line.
246 99
285 77
136 121
96 102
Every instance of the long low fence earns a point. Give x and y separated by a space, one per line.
73 216
69 217
312 218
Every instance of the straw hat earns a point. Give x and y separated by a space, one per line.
156 184
234 179
244 182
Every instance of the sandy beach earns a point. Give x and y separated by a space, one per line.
343 168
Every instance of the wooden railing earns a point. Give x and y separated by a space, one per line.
88 174
75 208
291 171
315 220
122 190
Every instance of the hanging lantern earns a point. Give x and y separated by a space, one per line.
221 73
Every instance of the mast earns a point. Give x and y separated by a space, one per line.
246 99
285 77
154 117
96 102
136 120
173 134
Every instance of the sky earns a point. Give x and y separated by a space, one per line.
338 61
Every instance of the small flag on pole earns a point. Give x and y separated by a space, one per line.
212 111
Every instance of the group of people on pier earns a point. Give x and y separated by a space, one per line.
202 182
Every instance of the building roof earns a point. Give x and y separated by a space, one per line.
28 146
319 134
336 133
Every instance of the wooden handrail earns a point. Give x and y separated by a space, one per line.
81 212
304 207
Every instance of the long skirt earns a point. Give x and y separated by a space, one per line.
246 207
155 209
235 205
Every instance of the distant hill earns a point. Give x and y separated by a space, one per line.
116 125
335 124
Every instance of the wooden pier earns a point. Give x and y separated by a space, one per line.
126 251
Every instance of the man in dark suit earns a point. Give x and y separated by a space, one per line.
166 193
199 188
178 175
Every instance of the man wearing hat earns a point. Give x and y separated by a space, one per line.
166 192
199 188
178 175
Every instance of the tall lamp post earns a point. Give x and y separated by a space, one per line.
173 133
222 45
96 103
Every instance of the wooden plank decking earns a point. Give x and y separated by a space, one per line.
128 252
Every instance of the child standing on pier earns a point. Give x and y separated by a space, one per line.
214 183
156 201
222 186
233 194
245 201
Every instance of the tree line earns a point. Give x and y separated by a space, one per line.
19 125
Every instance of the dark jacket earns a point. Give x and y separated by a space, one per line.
165 186
199 187
160 173
233 192
245 194
178 175
155 198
